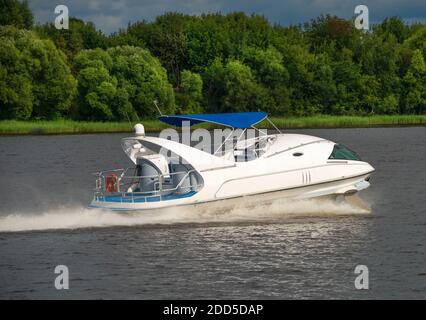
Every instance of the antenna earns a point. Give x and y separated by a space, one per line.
156 106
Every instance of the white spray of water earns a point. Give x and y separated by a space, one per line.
74 218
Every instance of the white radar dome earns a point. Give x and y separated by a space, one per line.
139 129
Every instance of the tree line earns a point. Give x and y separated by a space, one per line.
208 63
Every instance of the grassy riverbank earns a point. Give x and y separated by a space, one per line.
14 127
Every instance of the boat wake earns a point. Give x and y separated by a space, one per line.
80 217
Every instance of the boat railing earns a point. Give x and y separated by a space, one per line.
256 146
123 182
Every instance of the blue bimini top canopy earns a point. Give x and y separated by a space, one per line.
237 120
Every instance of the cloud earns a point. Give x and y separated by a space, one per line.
109 15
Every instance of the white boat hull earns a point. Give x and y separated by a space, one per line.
347 186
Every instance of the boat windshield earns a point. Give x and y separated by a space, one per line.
340 152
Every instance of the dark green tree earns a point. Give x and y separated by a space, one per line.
80 35
97 89
417 38
35 79
271 74
415 85
166 39
207 40
189 95
324 85
16 13
328 32
233 88
392 27
143 78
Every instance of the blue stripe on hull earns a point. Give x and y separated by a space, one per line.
130 199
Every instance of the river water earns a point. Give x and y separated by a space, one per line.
288 250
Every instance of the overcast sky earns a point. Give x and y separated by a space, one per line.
110 15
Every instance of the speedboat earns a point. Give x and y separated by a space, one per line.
258 169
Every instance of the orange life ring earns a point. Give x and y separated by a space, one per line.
111 183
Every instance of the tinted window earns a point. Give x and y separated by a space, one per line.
341 152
